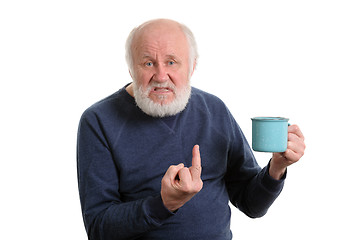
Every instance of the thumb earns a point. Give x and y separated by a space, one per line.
196 168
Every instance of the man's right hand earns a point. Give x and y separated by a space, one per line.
180 183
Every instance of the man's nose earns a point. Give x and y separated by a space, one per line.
161 74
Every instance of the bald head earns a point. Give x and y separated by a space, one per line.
155 29
161 25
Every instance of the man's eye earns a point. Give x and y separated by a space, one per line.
148 64
171 63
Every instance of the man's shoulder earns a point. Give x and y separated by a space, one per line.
117 101
103 103
207 100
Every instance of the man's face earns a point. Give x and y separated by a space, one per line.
161 62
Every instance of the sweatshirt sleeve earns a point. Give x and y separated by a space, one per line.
105 215
250 188
259 195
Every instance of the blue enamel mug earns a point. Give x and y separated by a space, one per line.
269 134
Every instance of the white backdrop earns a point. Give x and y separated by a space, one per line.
297 59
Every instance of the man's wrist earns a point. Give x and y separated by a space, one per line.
276 172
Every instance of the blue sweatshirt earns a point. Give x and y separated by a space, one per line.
122 155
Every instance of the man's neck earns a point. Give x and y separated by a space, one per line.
130 90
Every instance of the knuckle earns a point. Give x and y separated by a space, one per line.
295 126
171 168
164 181
191 189
187 188
302 152
200 186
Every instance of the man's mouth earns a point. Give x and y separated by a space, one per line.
162 90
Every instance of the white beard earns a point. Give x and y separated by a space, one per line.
156 109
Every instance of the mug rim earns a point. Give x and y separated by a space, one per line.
281 119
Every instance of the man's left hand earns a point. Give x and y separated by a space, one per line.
295 150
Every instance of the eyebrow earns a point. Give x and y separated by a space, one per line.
147 56
172 56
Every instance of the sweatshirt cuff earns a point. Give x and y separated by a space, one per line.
155 209
272 184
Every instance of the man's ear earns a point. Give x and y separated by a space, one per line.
130 73
194 66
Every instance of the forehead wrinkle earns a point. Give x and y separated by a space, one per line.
150 44
158 52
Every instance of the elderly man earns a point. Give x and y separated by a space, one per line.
159 159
